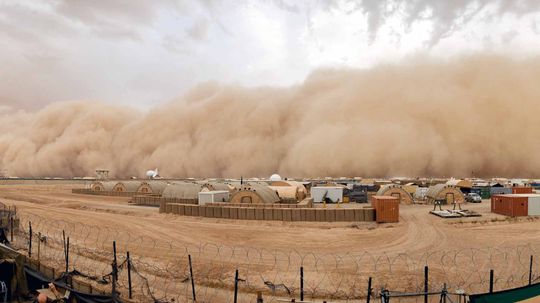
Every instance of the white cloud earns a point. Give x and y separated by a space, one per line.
146 52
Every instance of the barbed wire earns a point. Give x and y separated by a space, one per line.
160 268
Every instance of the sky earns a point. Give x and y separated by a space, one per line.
143 53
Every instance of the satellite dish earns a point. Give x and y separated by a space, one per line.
152 174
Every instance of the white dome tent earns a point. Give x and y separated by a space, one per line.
275 177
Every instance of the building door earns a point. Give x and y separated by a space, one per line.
398 196
246 199
449 198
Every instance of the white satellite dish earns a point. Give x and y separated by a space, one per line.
152 174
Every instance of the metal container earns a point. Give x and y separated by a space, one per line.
522 190
510 205
386 209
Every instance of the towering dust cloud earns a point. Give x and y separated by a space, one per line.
476 115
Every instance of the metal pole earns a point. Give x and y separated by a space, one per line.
368 290
530 270
192 281
30 242
259 297
114 269
491 281
426 285
129 274
301 283
236 287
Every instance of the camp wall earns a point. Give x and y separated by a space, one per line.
272 213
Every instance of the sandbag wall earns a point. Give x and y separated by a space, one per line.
271 213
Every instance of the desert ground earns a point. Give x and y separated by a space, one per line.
459 251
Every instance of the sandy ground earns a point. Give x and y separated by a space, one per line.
417 232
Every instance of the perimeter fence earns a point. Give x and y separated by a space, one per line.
160 271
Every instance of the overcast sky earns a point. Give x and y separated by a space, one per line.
145 52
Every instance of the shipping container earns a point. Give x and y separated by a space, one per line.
386 209
511 205
534 205
522 190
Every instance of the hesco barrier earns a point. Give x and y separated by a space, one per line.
85 191
271 213
156 200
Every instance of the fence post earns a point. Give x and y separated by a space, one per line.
191 278
30 242
39 246
301 283
426 285
11 227
530 270
129 274
236 287
368 290
114 270
491 281
259 297
443 293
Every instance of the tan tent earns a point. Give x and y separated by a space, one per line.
182 190
460 183
396 191
286 192
447 193
127 186
254 193
96 186
215 186
152 187
300 188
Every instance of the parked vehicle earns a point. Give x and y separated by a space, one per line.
473 197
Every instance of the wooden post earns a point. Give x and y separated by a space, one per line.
530 270
426 284
129 274
368 290
30 242
236 287
39 246
301 283
11 227
114 276
491 281
192 281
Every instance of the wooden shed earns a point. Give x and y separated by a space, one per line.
447 194
254 193
397 191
